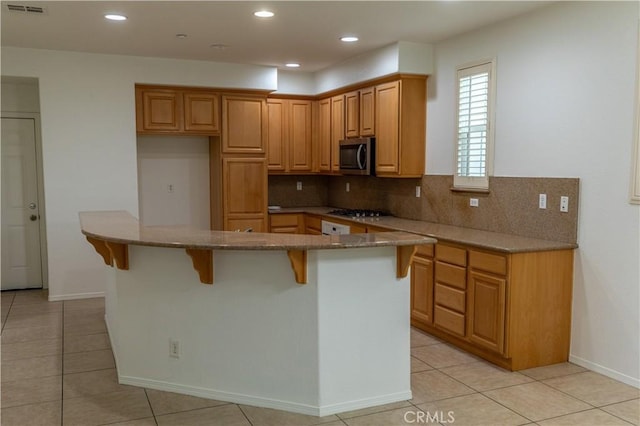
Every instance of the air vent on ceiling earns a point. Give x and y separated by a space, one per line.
37 10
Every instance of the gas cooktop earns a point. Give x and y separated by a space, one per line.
363 213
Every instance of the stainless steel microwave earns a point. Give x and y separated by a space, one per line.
357 156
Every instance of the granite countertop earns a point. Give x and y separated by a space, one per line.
121 227
496 241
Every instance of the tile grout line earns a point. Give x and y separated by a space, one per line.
8 312
244 414
148 402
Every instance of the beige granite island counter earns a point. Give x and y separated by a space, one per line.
256 336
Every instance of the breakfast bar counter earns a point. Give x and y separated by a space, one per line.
329 337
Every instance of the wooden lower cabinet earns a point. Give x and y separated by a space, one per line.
422 285
312 224
286 223
512 309
487 309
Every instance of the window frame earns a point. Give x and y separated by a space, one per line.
476 183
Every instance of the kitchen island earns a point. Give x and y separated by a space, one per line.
310 324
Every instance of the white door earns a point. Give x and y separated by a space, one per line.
21 257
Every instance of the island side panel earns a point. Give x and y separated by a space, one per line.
250 338
364 330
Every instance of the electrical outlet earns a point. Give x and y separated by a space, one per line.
473 202
417 192
542 201
347 187
564 204
174 348
299 186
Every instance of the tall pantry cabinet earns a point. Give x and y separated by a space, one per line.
244 166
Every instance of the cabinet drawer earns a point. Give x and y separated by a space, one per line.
450 297
449 320
279 220
284 230
425 250
452 275
449 254
488 262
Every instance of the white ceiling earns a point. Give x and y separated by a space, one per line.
301 31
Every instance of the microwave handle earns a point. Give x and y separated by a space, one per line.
361 148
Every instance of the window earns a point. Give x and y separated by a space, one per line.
474 125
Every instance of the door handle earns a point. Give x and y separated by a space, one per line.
33 218
32 206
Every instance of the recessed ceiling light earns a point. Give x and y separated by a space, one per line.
349 39
115 17
292 65
181 35
264 14
219 46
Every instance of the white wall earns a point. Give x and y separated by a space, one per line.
564 107
87 106
179 162
400 57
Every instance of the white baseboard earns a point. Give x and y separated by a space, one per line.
257 401
631 381
76 296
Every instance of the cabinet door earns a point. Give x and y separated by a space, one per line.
312 225
422 290
324 135
244 193
300 138
284 223
201 112
276 135
243 125
161 110
387 101
337 130
367 112
352 114
486 310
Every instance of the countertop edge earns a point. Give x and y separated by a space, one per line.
228 240
480 239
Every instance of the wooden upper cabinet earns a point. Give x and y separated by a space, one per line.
300 139
289 135
352 114
367 112
159 110
337 130
276 135
360 113
387 131
244 125
201 112
323 152
177 111
400 127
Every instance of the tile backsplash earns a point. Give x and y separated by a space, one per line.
510 207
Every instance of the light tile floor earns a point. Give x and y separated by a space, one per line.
58 369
